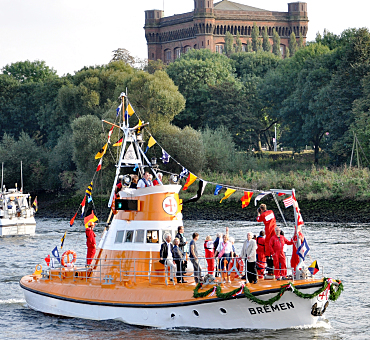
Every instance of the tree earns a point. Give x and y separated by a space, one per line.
287 52
194 73
30 72
155 65
249 46
266 41
255 37
300 41
124 55
292 44
229 44
238 45
155 97
276 43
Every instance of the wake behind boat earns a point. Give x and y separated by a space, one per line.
126 280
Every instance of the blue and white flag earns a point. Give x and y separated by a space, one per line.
165 157
119 108
56 253
218 189
303 249
260 196
184 173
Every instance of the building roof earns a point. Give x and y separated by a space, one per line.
226 5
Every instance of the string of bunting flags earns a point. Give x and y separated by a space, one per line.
185 173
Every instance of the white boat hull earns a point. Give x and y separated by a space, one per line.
289 311
17 226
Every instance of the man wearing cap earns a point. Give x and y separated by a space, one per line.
90 242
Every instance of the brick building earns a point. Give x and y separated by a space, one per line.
205 27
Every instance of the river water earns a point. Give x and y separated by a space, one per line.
339 248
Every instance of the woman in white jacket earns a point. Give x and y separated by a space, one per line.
249 255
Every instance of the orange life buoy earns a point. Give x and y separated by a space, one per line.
240 265
66 254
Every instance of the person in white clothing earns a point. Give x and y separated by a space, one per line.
166 256
144 181
223 252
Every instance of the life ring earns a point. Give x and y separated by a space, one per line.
66 254
240 265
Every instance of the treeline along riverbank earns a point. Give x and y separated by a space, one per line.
332 210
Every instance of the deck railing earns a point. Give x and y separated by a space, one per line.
110 271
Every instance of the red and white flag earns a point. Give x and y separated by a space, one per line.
99 165
110 133
288 202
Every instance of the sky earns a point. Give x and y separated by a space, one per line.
71 34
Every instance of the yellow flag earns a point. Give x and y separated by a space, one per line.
228 193
190 180
130 110
101 153
139 124
151 142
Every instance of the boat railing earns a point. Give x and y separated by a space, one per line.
130 270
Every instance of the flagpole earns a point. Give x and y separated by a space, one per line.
2 176
21 177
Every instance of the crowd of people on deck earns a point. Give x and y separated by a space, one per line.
260 256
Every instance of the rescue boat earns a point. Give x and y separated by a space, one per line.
17 216
127 282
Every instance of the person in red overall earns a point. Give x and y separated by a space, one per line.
276 246
269 220
90 242
209 253
261 257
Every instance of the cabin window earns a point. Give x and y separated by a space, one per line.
119 236
139 236
152 236
164 233
129 236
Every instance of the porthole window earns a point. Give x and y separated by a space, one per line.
223 310
196 313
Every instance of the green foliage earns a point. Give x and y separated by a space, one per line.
255 37
155 98
293 46
266 41
155 65
184 145
193 73
219 149
229 44
34 161
30 72
276 43
238 44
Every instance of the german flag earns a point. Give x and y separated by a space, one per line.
90 218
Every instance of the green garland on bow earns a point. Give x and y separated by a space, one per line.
334 293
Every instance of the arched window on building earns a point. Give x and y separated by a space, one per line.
187 49
177 53
167 56
219 48
244 48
